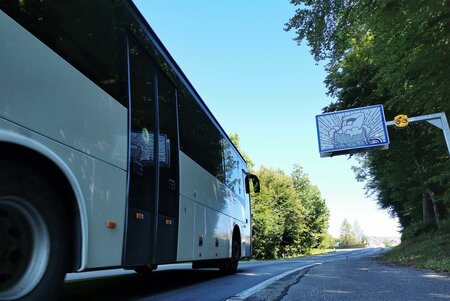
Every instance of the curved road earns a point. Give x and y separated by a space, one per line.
180 282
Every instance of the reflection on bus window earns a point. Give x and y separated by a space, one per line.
142 148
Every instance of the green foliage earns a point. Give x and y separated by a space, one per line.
316 212
416 230
276 215
235 139
394 53
358 232
429 250
329 242
289 216
347 236
326 25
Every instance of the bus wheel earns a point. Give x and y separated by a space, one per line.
32 240
231 264
145 269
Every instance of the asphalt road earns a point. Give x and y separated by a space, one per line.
358 278
180 282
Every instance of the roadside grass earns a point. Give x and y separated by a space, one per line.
429 250
309 253
319 251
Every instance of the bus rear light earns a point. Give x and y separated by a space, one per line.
139 215
168 222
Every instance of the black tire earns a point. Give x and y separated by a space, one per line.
145 269
33 239
231 264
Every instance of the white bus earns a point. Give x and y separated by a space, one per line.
109 158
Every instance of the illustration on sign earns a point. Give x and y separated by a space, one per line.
352 129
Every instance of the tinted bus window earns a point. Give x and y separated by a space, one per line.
233 169
199 138
85 33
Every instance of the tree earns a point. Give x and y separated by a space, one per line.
327 25
358 232
289 215
346 237
277 216
395 53
316 212
329 242
235 139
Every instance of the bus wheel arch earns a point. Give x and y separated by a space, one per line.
35 160
35 253
230 265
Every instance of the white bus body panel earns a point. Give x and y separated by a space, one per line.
96 187
42 92
208 209
185 251
49 106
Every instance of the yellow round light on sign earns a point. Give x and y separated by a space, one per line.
401 121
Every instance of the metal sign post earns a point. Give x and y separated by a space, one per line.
439 120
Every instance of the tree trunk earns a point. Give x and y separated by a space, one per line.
435 207
427 195
427 208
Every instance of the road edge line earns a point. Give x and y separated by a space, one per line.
248 292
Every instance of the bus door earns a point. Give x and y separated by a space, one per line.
143 176
168 200
152 213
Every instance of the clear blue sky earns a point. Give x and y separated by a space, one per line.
261 85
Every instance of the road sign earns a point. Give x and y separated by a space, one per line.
401 121
352 131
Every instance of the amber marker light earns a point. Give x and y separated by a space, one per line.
111 224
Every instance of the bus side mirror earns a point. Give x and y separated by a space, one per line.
255 181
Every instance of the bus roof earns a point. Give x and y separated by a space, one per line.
175 67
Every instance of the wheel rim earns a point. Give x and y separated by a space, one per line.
24 248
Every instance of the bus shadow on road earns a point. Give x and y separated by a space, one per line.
135 286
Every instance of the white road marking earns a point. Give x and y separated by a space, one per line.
245 294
